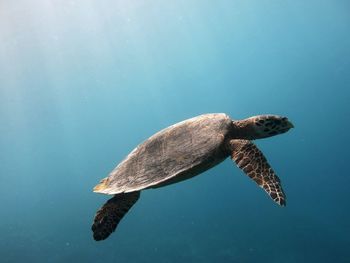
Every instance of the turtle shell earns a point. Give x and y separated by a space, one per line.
176 153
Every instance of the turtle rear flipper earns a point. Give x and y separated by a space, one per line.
110 214
252 161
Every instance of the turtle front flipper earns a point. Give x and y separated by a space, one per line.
252 161
110 214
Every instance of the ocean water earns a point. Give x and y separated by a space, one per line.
83 82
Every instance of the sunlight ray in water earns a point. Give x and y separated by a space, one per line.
82 82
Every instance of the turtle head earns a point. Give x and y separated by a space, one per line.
262 126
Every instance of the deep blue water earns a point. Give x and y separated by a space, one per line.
83 82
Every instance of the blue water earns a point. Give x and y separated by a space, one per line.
83 82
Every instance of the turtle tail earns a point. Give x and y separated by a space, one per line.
110 214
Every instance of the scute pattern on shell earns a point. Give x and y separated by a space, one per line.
173 154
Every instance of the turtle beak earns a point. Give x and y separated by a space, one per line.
289 124
286 123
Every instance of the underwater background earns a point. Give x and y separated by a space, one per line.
83 82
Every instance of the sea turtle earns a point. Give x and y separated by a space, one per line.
184 150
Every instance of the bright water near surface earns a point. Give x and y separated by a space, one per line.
83 82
